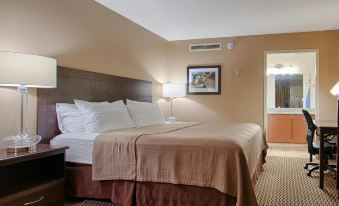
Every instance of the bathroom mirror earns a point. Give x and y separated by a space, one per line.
289 91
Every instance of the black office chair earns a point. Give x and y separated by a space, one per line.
313 147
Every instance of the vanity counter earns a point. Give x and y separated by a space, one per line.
295 111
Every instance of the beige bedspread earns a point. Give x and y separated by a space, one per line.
218 155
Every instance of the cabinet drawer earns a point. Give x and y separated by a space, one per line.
48 194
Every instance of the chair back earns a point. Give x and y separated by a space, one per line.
310 131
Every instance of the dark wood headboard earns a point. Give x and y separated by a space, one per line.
90 86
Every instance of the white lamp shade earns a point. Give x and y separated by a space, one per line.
18 69
335 89
173 90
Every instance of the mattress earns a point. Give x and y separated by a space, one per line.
80 146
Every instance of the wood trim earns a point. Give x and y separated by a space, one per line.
84 85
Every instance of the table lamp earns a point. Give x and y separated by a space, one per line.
24 71
335 92
172 91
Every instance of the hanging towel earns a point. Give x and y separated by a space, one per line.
308 99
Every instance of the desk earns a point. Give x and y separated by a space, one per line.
326 127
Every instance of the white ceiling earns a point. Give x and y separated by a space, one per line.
197 19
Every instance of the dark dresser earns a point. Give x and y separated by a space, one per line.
35 178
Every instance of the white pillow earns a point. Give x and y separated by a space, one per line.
99 118
69 118
144 113
90 103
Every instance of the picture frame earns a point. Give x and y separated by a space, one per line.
203 80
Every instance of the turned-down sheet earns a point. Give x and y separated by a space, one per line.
217 155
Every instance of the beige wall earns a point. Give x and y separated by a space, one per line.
83 34
80 34
242 97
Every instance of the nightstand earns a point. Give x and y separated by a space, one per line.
33 178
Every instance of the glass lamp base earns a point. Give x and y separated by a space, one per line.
21 141
171 119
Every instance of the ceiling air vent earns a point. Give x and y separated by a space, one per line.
205 47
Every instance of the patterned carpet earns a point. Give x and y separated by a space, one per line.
89 203
282 183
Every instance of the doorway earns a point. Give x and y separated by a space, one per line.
290 86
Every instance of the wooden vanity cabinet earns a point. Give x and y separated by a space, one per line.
279 128
299 129
286 128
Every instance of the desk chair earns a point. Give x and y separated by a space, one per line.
313 147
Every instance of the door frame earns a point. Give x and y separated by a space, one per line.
316 79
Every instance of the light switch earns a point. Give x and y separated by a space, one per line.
237 72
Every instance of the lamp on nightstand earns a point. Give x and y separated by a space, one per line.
24 71
173 91
335 92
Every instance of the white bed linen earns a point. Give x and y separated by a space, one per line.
80 146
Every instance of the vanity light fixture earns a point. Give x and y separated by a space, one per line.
280 69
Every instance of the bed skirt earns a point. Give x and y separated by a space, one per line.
79 184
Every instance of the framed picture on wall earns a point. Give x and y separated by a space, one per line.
203 80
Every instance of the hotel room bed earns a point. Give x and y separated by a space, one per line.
162 168
221 159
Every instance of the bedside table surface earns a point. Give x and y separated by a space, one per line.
40 151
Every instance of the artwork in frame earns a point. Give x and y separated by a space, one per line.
204 80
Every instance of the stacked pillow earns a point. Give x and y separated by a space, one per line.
69 118
100 117
144 113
